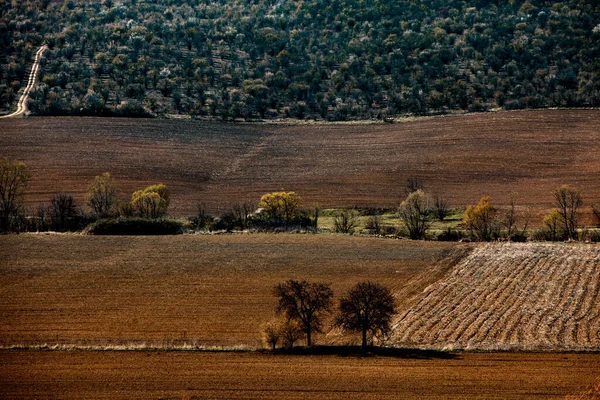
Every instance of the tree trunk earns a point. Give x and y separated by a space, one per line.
364 339
308 343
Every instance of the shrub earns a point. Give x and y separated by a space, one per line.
518 237
202 220
134 226
450 235
373 225
345 221
151 202
481 220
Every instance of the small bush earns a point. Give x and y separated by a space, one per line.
135 226
518 237
345 221
450 235
592 236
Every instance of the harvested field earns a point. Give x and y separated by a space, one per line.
177 375
511 296
207 290
333 165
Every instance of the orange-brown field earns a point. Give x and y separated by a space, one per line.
218 164
210 290
184 375
215 290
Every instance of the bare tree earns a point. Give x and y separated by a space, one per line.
568 200
412 185
345 221
14 177
62 212
440 207
305 303
415 213
101 195
242 213
271 333
509 220
367 308
596 212
374 224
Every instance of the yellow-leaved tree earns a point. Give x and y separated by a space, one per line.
281 206
481 219
151 202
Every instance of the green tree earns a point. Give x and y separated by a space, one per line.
367 308
481 219
151 202
415 213
281 206
101 195
14 176
305 303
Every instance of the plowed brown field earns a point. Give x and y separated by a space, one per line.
511 296
126 375
208 290
218 164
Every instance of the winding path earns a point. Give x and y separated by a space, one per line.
22 104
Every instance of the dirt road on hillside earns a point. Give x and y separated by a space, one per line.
22 104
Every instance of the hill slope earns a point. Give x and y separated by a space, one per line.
462 158
340 59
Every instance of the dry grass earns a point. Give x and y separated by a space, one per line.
511 297
461 157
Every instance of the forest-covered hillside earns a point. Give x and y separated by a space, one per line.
322 59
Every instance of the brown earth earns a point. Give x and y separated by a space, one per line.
218 164
208 290
177 375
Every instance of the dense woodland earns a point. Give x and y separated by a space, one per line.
333 60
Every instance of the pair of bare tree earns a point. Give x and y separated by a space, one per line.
367 308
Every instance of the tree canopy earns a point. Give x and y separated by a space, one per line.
367 308
333 60
304 302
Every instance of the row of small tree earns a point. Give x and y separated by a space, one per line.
282 209
63 213
367 308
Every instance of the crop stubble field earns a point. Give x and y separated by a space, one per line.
333 165
511 297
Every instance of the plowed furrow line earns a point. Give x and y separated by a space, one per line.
549 290
584 304
506 308
501 306
465 299
554 301
523 306
565 308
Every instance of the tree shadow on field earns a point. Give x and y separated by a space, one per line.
357 351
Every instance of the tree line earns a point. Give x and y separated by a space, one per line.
147 208
330 60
